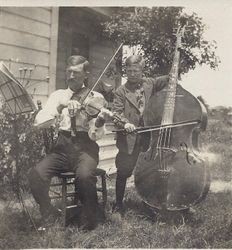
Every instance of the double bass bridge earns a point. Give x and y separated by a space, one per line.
165 152
164 173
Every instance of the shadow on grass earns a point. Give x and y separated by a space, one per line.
157 216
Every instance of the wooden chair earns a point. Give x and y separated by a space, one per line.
67 189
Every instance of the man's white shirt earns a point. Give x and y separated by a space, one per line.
58 101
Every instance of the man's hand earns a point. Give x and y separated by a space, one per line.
73 107
102 116
105 113
129 127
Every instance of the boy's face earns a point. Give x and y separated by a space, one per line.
75 76
134 73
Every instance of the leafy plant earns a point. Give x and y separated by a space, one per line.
21 147
154 30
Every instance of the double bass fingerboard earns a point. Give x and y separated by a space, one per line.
169 105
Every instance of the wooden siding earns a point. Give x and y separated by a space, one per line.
25 42
20 23
41 15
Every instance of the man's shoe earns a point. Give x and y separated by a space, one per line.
46 223
50 211
50 215
56 212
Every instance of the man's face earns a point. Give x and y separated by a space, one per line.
134 73
75 76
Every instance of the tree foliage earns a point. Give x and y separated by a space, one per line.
154 30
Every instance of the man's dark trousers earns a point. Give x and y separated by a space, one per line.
79 154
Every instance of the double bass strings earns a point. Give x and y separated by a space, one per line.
163 143
159 147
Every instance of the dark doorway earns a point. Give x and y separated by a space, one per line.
80 45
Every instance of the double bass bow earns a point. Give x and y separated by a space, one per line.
171 175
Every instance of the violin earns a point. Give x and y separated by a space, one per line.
171 175
91 104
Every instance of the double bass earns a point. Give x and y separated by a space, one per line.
171 175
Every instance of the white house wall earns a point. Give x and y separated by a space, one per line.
25 42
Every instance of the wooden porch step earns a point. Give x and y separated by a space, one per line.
108 165
108 150
108 154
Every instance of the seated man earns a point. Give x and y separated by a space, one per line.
75 151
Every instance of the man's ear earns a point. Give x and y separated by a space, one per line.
86 81
86 67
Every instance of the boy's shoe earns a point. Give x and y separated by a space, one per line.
118 208
88 224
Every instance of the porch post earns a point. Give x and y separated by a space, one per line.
53 49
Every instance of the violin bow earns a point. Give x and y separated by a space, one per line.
73 119
103 72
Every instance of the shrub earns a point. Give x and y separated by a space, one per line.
21 146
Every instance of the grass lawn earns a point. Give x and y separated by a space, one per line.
210 227
140 228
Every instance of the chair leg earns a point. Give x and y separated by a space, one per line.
104 190
64 201
76 197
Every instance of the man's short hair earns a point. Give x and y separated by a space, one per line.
135 59
77 60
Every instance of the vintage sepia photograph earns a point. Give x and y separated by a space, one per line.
115 124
